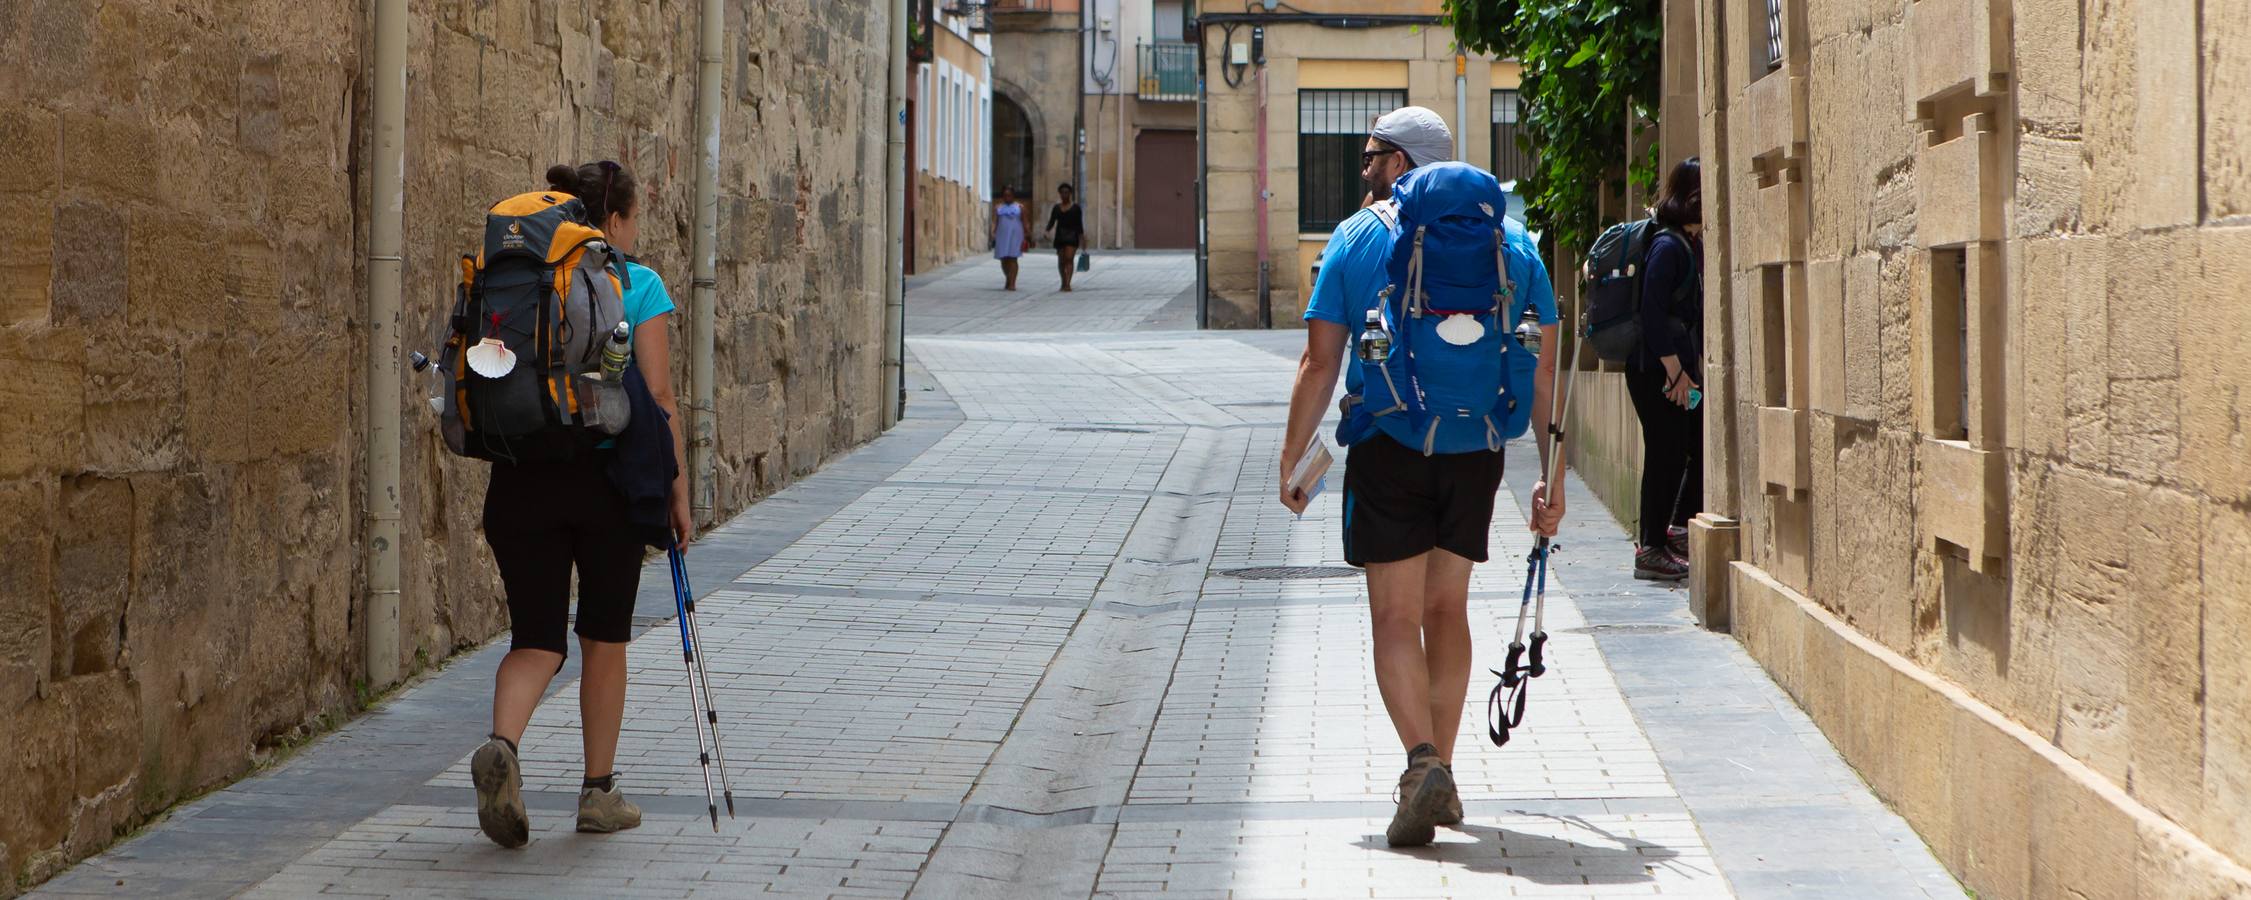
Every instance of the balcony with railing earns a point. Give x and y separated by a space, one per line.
1168 71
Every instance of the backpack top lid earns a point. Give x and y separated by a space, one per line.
1459 209
545 225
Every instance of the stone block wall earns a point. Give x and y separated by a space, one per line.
1978 294
181 323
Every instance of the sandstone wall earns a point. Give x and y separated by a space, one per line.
1980 287
181 311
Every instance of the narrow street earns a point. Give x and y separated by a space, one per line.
1053 636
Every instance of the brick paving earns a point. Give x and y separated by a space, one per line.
1004 652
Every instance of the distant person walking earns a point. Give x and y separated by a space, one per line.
546 520
1664 379
1418 501
1067 225
1009 238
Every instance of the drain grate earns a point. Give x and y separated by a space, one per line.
1284 573
1101 429
1627 629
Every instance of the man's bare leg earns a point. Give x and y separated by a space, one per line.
1395 602
1446 645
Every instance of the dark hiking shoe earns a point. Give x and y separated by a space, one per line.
1452 814
500 794
1424 791
602 812
1676 540
1659 564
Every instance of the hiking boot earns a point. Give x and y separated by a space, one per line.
1676 540
1659 564
500 794
1425 789
604 811
1452 814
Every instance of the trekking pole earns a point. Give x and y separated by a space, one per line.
703 676
680 606
1505 707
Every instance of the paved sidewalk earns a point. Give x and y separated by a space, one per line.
1030 644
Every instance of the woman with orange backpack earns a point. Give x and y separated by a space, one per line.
545 519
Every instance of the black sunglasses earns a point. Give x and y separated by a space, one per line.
1369 156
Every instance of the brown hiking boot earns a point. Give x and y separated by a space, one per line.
1452 814
604 811
500 794
1425 789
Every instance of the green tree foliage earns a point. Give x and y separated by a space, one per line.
1584 62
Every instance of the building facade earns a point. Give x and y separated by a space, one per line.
1979 485
1121 75
949 137
183 321
1289 98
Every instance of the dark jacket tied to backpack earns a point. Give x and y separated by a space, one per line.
644 465
1672 315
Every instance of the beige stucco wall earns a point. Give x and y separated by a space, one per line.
952 220
181 307
2000 549
1337 54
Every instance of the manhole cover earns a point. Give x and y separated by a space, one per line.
1280 573
1101 429
1626 629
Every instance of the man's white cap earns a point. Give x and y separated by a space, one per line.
1418 131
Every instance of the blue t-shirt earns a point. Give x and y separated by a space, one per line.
1352 274
645 298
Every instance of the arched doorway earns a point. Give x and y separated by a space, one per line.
1013 144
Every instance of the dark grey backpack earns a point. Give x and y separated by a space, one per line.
1612 285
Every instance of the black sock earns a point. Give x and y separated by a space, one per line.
511 744
607 782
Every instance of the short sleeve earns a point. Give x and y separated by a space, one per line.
1345 267
1533 289
646 298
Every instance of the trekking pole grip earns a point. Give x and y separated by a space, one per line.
1510 672
1539 642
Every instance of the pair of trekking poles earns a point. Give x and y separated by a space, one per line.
1504 708
700 708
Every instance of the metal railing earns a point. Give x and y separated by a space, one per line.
1001 7
1168 71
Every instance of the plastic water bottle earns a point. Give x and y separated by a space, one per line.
1375 343
616 351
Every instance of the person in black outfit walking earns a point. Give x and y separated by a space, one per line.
1666 373
1068 223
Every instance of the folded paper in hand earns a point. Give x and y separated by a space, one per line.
1311 474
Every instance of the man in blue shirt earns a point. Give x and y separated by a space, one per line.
1417 523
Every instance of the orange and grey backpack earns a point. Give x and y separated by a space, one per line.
520 372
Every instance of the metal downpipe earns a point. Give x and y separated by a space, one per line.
385 238
703 303
895 218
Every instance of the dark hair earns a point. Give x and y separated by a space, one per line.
1066 186
1681 202
604 187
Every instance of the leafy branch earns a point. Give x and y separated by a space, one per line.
1585 63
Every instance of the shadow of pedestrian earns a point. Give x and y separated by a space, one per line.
1580 852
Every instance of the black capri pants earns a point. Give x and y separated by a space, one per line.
545 519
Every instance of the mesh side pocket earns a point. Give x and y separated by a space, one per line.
602 405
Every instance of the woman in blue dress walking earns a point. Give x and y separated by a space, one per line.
1009 238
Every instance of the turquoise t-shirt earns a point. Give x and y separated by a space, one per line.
645 298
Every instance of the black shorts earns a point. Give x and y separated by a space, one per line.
543 520
1399 503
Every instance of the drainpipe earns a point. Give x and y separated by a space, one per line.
1203 208
1461 107
385 237
1265 263
1117 168
703 304
895 217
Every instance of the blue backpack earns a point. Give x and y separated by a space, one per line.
1456 380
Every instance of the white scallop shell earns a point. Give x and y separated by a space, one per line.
1461 330
491 358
